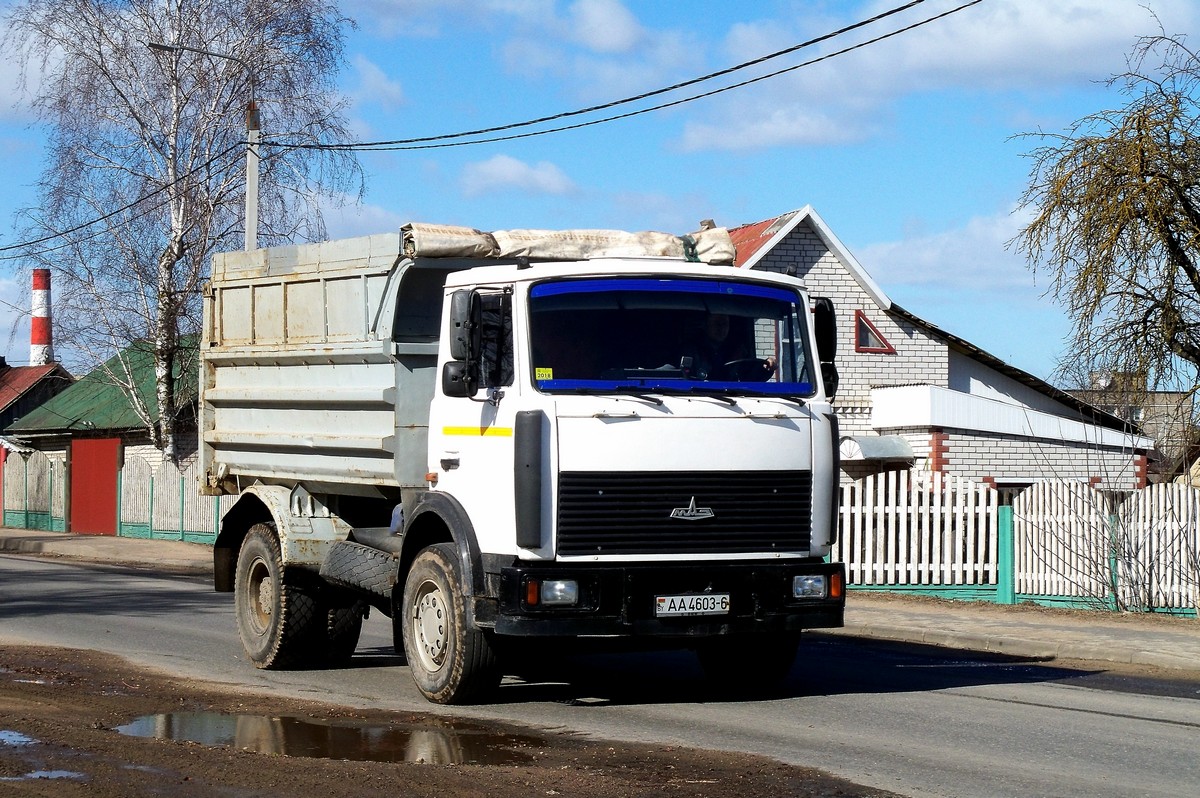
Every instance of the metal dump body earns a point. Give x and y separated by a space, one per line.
307 374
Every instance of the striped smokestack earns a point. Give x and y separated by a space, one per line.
41 348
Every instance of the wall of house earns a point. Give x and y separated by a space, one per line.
1006 461
970 376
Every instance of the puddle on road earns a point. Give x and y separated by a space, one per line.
14 738
286 736
46 774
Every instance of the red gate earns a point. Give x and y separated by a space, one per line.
94 464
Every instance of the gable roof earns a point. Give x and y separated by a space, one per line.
16 381
96 402
753 242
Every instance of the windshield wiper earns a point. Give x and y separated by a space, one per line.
622 390
720 394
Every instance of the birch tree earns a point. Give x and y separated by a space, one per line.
1116 204
145 166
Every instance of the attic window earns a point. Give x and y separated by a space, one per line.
867 337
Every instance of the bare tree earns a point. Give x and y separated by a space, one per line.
145 172
1117 221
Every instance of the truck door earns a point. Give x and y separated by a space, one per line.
472 433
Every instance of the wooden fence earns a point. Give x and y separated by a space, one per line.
1158 548
163 503
902 528
167 503
1059 543
34 491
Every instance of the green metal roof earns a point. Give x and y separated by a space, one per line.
96 402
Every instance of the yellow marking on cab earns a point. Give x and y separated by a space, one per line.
479 432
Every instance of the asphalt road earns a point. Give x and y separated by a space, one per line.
900 718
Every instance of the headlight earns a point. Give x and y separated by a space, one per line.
552 592
809 586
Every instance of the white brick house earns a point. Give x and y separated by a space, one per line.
915 396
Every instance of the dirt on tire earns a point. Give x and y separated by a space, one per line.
60 708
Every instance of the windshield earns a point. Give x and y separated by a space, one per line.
668 335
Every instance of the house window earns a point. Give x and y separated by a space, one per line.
867 337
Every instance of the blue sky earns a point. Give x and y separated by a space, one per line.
906 148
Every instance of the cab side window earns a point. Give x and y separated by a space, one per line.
496 341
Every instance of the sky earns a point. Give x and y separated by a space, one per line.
911 149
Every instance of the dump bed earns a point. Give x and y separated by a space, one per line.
303 362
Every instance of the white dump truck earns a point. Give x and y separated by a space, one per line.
500 439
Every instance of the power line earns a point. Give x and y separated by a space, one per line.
411 144
25 245
627 100
443 141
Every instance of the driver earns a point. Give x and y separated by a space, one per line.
716 355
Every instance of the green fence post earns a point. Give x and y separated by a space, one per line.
1114 563
1006 578
182 504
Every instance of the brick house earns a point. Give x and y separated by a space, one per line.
913 396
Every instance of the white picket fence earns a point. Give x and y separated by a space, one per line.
1068 541
1061 540
1158 556
904 528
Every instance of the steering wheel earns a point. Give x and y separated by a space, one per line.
747 369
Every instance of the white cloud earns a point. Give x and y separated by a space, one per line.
972 258
504 173
776 128
355 219
1002 45
375 86
603 26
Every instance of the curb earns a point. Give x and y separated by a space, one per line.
1018 646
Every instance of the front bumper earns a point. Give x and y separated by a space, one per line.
619 599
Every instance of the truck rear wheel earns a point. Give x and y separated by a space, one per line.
450 663
343 627
281 624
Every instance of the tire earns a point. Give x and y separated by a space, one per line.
281 623
748 664
450 663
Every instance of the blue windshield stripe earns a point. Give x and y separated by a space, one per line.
684 387
721 287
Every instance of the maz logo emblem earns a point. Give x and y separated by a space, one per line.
692 512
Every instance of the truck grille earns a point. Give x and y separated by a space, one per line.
694 512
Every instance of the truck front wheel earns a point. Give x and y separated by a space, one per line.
450 663
280 623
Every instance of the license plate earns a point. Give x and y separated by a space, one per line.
691 604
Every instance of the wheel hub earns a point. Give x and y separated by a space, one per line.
266 593
429 623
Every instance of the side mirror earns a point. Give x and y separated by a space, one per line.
465 315
825 328
459 379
